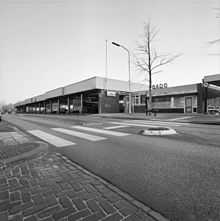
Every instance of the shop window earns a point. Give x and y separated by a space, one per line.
137 99
161 99
143 97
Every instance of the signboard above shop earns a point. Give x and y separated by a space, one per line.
159 86
111 93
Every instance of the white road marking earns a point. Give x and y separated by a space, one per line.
115 127
180 118
101 131
54 140
79 134
133 124
162 123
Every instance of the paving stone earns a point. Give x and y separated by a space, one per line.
17 218
4 216
3 180
33 210
78 215
20 207
15 196
4 205
63 213
122 204
13 182
47 219
93 206
94 217
4 195
30 218
4 187
26 196
79 203
49 211
24 182
128 211
108 208
37 199
113 217
76 186
50 200
112 197
65 202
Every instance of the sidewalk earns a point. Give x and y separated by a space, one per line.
183 118
49 187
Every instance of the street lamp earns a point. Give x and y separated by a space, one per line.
129 72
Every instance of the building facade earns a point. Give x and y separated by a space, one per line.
101 95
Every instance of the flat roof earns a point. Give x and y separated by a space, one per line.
86 85
212 79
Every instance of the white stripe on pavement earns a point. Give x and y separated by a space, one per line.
155 122
115 127
180 118
79 134
54 140
133 124
101 131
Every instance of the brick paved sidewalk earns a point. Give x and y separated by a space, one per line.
50 187
13 142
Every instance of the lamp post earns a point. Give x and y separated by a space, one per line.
129 73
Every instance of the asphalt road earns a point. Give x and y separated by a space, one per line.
178 175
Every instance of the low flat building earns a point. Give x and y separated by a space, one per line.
93 95
101 95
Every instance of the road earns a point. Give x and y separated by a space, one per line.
176 175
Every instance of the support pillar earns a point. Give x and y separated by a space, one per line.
45 107
58 102
81 103
68 104
39 106
51 106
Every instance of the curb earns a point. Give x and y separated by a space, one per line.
155 215
158 131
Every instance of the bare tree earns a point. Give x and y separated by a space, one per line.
147 59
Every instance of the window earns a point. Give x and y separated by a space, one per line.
143 97
137 99
161 99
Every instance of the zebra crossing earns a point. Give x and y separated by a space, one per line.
58 141
90 133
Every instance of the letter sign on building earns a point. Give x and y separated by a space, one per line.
157 86
111 93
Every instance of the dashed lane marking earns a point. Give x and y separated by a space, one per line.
54 140
79 134
115 127
101 131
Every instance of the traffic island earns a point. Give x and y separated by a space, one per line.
158 131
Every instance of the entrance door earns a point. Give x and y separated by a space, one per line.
188 105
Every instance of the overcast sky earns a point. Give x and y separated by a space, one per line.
45 44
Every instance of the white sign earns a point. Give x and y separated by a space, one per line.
157 86
111 93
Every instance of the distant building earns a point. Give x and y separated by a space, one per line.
100 95
93 95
